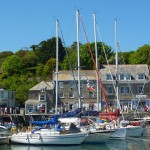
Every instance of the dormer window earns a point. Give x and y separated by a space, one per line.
125 76
141 76
42 97
108 77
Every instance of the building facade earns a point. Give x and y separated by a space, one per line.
40 99
133 83
7 98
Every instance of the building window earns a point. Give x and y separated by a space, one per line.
10 95
91 95
71 84
70 94
140 90
127 89
125 76
42 97
2 94
122 77
109 90
108 77
122 90
29 108
141 76
61 85
81 84
61 95
128 76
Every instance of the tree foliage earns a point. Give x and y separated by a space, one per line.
141 55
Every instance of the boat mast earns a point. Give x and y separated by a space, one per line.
56 105
117 74
95 37
78 51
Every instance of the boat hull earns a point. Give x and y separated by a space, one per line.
49 139
97 137
130 131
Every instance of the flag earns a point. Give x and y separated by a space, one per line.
90 87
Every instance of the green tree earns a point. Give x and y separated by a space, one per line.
49 67
141 55
11 65
3 55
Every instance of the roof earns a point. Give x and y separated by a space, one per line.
68 75
105 69
43 85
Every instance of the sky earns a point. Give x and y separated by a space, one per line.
24 23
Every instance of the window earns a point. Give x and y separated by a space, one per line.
122 90
42 97
127 89
109 89
71 84
128 76
125 76
108 77
81 84
122 77
140 90
29 108
141 76
91 83
61 85
2 94
81 95
70 94
61 95
91 95
10 95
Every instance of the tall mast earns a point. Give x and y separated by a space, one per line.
95 37
78 51
56 105
116 47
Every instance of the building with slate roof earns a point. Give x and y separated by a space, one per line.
133 82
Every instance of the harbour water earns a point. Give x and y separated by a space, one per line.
129 144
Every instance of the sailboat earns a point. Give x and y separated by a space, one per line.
50 132
125 129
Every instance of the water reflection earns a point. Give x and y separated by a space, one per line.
129 144
80 147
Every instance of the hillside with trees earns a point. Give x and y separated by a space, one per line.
23 69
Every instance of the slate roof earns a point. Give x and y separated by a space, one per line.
105 69
124 69
69 76
42 85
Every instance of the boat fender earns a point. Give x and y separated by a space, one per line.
29 128
12 130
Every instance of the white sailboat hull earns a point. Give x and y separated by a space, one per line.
129 131
49 139
99 136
